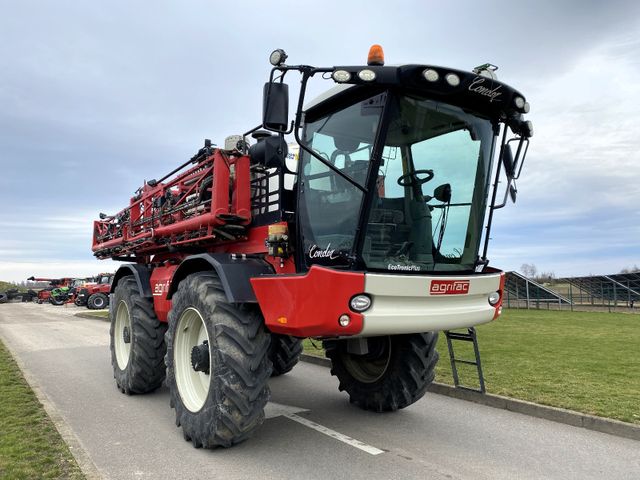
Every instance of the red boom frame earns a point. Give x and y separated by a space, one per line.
195 208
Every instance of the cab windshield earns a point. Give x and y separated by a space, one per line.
426 210
329 205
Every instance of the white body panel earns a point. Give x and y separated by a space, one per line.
404 304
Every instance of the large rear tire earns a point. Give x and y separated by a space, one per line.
97 301
137 340
394 374
3 298
217 364
284 352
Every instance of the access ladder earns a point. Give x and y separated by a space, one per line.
469 336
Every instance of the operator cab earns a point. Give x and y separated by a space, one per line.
395 165
428 186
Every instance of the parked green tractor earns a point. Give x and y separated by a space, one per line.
59 296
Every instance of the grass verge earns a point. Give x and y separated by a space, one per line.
582 361
30 445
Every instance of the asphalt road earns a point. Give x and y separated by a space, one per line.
437 438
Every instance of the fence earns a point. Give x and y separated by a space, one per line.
618 292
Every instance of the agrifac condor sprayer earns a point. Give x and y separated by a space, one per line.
237 255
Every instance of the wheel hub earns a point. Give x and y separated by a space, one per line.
126 335
371 367
122 335
200 357
191 359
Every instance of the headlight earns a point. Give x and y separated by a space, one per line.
367 75
494 298
277 57
341 76
452 79
360 303
430 75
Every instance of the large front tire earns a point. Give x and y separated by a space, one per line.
394 373
284 352
217 364
137 340
97 301
56 301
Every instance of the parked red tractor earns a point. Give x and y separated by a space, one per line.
95 295
237 255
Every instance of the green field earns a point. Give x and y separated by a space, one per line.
30 446
588 362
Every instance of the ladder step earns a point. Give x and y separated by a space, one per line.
460 336
468 362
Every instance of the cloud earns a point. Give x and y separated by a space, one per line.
19 271
579 194
98 97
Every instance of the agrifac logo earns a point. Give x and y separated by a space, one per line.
449 287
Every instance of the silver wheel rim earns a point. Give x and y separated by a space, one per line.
193 386
98 302
123 323
368 370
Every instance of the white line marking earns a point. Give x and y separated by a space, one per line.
274 409
333 434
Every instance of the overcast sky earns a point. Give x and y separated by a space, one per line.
97 96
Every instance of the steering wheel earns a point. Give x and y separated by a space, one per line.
411 178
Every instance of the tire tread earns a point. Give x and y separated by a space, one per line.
145 371
234 408
409 374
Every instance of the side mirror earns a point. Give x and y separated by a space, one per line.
443 193
507 161
275 107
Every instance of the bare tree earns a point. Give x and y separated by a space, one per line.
545 277
633 269
528 270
